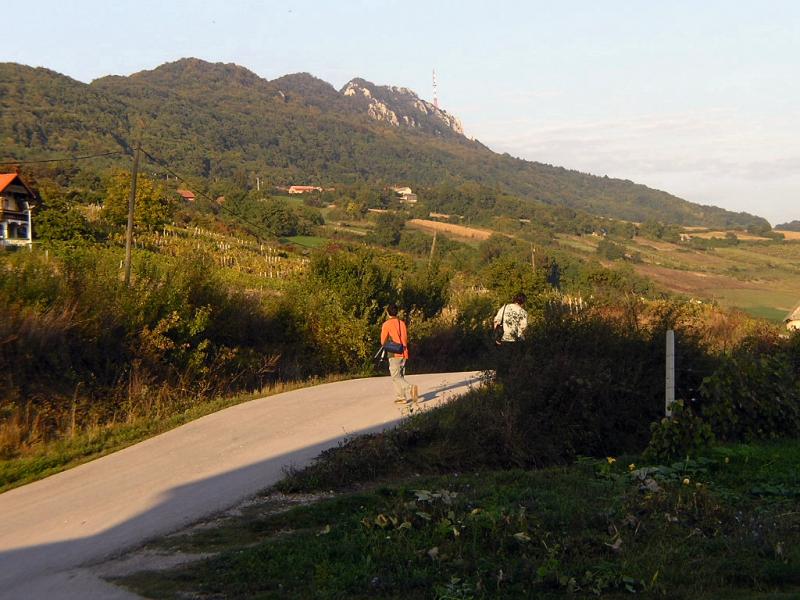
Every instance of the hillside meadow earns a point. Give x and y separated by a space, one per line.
761 277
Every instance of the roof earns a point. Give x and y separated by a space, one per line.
187 195
7 179
794 315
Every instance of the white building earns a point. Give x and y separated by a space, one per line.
16 199
405 193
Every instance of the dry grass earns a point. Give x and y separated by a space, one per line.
707 235
460 231
789 235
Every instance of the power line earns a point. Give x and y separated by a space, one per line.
163 165
64 159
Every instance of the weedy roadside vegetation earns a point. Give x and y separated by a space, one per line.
722 525
535 485
89 365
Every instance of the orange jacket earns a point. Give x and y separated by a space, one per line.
394 328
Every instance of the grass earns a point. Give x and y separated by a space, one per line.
44 460
306 241
723 526
772 304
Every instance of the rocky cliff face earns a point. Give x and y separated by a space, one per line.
400 107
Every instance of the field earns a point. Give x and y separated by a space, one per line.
761 278
306 241
456 231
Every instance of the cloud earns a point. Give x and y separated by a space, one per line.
715 142
716 156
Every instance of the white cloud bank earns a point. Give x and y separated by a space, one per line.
719 156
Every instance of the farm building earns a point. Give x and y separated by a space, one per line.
303 189
405 193
792 320
16 199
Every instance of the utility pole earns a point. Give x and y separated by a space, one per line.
533 256
131 201
669 395
433 248
30 225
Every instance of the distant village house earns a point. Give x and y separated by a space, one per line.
186 195
16 200
405 193
303 189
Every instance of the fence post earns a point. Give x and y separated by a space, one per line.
670 375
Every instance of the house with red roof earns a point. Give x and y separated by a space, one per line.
186 195
16 200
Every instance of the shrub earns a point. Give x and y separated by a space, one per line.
610 250
751 398
684 434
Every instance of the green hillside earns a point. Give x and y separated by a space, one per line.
216 121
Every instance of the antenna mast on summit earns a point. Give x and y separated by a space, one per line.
435 91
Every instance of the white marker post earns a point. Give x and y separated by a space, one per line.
670 378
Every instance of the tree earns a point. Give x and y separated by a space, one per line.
153 207
58 219
388 229
507 276
277 218
426 290
554 275
609 250
498 245
360 283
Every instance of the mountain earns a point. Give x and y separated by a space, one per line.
400 106
789 226
213 120
42 111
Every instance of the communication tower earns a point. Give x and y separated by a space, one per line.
435 91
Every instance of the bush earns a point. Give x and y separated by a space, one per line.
610 250
75 338
682 435
752 398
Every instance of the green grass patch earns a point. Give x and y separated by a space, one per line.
723 526
766 312
307 241
772 304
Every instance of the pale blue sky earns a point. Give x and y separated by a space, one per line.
701 98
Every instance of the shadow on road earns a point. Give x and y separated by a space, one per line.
24 571
47 570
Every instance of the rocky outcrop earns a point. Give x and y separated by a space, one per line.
401 107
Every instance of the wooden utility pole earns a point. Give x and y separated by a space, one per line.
433 248
131 202
670 374
533 256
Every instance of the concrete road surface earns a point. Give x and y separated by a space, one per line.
50 528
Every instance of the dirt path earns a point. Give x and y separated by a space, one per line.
50 528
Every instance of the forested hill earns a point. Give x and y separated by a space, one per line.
223 121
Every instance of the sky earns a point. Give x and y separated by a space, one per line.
698 98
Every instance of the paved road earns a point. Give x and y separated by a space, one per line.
95 511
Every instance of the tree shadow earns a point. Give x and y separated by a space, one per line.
433 393
24 571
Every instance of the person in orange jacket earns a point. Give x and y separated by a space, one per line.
394 329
